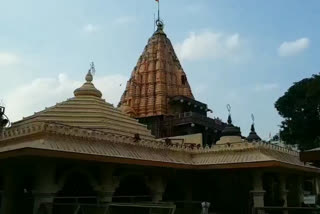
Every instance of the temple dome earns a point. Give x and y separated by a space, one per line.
230 134
88 89
253 136
87 110
157 76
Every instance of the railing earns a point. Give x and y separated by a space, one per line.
113 208
286 210
193 117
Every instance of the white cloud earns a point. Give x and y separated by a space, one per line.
210 45
90 28
45 92
266 87
125 20
8 58
292 48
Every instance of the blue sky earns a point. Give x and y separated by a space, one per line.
243 53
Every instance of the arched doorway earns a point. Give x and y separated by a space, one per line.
132 189
77 190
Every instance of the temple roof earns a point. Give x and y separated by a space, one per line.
156 78
42 139
87 110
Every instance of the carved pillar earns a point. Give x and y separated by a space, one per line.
300 190
108 184
157 186
258 191
283 192
45 189
205 207
317 185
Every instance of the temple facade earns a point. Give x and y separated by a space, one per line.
83 155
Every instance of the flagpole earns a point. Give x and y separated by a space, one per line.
158 10
154 22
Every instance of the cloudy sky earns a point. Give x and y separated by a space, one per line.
243 53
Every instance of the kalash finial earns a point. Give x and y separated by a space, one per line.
159 22
88 89
91 72
229 116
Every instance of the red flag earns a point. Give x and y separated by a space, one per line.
157 0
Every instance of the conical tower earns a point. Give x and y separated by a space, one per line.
156 78
159 95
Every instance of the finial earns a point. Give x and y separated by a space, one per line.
252 125
229 116
158 22
91 72
253 135
92 68
252 117
88 89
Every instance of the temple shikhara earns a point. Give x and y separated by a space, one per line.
158 94
157 152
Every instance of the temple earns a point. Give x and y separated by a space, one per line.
157 153
159 95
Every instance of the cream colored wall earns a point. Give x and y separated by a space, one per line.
229 139
191 138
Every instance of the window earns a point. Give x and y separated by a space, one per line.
183 79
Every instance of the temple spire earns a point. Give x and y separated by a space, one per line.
157 77
253 135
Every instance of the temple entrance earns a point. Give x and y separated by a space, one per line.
132 189
231 193
77 190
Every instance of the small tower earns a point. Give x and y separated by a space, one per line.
231 133
253 135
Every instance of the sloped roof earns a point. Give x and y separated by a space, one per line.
57 140
157 76
88 110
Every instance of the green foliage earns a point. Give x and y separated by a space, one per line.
300 108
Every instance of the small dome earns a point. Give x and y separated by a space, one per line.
88 89
230 129
253 135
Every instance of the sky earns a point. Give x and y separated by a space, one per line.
244 53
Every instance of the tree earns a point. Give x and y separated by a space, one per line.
300 108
